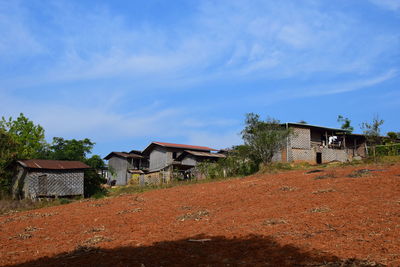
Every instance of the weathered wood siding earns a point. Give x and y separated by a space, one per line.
158 159
189 160
120 166
58 183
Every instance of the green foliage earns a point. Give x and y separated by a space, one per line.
64 201
237 163
28 136
8 153
393 136
263 138
22 139
346 123
96 162
388 150
373 130
93 183
62 149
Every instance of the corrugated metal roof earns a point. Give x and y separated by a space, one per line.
124 155
185 146
205 154
315 126
200 154
53 164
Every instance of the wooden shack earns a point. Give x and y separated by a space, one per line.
37 178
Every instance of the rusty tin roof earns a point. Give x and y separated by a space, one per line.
52 164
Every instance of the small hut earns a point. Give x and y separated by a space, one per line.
48 178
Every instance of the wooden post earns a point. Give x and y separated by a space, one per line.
355 147
344 141
326 137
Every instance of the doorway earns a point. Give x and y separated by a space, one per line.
319 158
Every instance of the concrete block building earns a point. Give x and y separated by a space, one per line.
318 144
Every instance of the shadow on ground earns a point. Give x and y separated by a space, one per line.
214 251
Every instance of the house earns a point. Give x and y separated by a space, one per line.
318 144
168 159
48 178
123 166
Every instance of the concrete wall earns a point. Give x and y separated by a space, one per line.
35 183
306 155
120 166
301 138
329 155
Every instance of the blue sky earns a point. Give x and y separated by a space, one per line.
125 73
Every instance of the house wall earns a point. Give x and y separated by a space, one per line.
304 145
189 160
120 166
301 138
158 159
304 155
329 155
57 183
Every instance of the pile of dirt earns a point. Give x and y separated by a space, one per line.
283 219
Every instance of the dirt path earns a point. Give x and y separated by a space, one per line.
282 219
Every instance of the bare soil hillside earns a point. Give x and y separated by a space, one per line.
337 217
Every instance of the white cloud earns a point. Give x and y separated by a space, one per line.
387 4
224 40
353 85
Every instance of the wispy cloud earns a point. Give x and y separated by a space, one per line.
227 40
387 4
108 74
353 85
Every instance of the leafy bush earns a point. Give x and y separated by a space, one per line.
388 150
93 183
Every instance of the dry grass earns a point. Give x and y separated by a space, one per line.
95 229
96 239
129 211
197 216
322 191
271 222
288 188
320 209
9 206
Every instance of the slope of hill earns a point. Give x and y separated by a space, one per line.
337 216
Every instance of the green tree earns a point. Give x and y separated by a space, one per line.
392 136
96 162
8 154
62 149
346 123
93 181
372 131
264 138
28 136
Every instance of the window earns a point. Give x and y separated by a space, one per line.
174 155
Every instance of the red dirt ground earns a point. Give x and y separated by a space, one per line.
285 219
